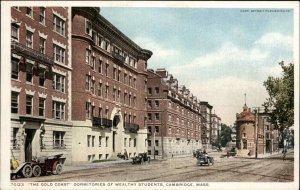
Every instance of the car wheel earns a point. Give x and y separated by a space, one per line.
27 171
36 171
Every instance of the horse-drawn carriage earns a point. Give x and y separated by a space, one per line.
39 166
141 158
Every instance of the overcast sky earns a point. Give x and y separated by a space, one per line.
219 54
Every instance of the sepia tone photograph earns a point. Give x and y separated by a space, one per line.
158 95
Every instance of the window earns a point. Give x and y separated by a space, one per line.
157 129
157 116
15 132
156 103
100 89
15 33
88 27
107 69
14 68
58 25
42 45
29 11
106 113
150 91
119 95
100 139
149 142
129 100
58 54
114 94
156 90
28 104
58 82
119 75
29 36
134 142
93 141
94 37
93 87
134 82
170 118
149 117
149 129
125 78
100 112
106 91
149 104
156 142
87 82
149 152
58 139
41 107
88 140
58 110
88 108
134 101
129 142
106 141
130 80
100 66
14 102
114 73
125 97
125 142
106 45
88 56
42 77
42 15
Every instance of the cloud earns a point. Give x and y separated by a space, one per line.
275 41
226 95
161 54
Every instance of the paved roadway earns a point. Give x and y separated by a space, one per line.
271 169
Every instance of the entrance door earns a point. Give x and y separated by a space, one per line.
28 144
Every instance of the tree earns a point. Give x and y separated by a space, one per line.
225 134
280 102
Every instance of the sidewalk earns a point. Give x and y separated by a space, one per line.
67 168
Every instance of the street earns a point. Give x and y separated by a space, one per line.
271 169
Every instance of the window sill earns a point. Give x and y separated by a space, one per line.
43 24
63 35
30 83
17 80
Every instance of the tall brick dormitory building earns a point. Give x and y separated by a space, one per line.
80 87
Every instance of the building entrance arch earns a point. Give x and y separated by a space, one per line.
117 131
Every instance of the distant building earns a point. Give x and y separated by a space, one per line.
215 129
206 109
174 117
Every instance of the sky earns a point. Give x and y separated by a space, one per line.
218 53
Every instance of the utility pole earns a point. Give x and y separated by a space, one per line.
257 109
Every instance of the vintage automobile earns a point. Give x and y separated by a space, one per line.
37 167
231 152
141 158
204 159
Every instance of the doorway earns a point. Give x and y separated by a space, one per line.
28 144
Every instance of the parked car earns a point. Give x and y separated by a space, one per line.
141 158
232 152
204 159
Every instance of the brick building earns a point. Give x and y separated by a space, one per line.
215 129
108 89
205 110
174 119
40 82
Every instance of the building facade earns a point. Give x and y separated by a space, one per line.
109 89
215 129
40 82
206 109
174 117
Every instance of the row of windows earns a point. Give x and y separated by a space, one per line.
91 141
58 52
182 110
156 128
156 143
116 74
58 23
127 99
104 43
58 138
156 89
58 82
58 108
90 111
